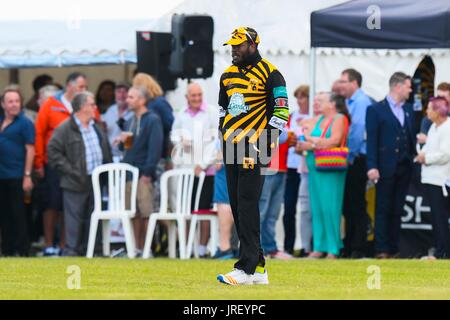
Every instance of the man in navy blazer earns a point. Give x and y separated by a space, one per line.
390 154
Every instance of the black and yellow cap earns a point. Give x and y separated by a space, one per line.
242 34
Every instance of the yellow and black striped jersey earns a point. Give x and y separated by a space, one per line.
252 99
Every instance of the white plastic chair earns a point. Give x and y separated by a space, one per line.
179 215
117 173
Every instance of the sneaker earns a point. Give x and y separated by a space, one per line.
119 253
302 254
58 251
260 277
139 253
50 252
428 258
236 277
280 255
290 251
357 255
224 255
382 255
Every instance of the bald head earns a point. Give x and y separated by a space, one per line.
337 87
193 87
194 96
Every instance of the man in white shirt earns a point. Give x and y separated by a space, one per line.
193 135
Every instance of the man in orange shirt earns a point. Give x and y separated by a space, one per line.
51 114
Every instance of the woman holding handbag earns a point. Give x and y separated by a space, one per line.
327 165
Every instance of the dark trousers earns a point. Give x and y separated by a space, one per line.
440 212
390 199
244 190
13 222
290 208
78 207
355 207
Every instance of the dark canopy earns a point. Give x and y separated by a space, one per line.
405 24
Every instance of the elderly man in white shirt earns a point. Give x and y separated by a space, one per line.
194 134
435 160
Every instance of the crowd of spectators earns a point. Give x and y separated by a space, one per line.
50 145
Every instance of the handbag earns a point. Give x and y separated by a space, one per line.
332 159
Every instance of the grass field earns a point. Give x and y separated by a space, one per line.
39 278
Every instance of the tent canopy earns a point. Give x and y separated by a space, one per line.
54 33
60 43
383 24
284 29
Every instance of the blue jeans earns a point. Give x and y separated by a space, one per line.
269 206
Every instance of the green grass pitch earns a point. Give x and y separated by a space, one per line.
106 278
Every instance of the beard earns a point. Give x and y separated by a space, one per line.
248 59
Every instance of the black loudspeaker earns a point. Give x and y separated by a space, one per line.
153 57
192 56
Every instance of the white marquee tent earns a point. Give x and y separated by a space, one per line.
83 32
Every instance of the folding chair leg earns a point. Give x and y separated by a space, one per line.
129 237
182 237
191 237
149 237
92 236
172 240
196 242
106 238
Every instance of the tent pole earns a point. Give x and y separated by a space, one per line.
312 79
